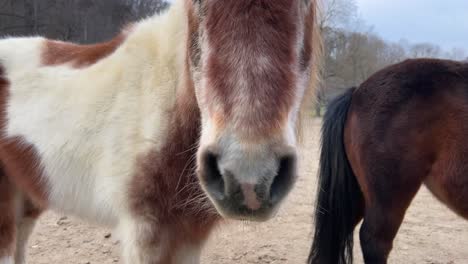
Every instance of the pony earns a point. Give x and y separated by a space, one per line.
183 119
403 127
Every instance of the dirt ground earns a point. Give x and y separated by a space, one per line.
430 234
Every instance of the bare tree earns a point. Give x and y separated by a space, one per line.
456 54
337 13
425 50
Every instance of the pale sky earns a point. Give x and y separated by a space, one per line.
442 22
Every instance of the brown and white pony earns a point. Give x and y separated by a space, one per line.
133 133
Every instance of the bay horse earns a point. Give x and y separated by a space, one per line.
182 119
403 127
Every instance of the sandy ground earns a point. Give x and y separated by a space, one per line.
430 234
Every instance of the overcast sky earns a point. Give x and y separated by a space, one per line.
443 22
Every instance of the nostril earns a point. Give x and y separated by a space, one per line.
213 177
284 179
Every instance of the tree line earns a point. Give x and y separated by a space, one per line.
83 21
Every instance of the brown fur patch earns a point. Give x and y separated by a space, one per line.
7 217
58 52
20 160
238 31
22 164
30 210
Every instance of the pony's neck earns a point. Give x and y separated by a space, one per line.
161 41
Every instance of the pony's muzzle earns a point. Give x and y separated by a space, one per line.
248 189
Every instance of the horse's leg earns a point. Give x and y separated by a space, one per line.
384 213
146 242
136 242
25 226
7 220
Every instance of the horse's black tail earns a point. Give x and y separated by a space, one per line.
339 199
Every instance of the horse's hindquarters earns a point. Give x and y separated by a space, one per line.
407 125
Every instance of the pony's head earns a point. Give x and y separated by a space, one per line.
251 63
